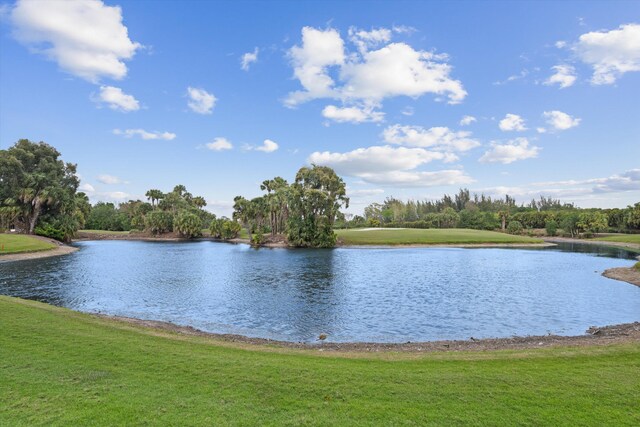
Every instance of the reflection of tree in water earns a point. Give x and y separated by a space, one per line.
291 292
606 251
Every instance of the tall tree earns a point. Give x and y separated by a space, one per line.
37 181
315 199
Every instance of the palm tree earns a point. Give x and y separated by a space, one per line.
199 202
154 196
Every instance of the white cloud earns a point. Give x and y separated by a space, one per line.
564 76
116 99
129 133
219 144
375 159
592 191
626 181
437 138
407 111
268 146
419 179
512 78
467 120
200 101
560 121
319 50
110 179
248 59
87 188
514 150
610 53
352 114
367 76
399 70
387 165
220 207
365 40
353 194
85 38
512 122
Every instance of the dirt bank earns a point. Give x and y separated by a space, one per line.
595 336
629 275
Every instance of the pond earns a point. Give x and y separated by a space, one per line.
370 294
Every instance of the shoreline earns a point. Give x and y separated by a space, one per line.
594 336
60 249
593 242
623 274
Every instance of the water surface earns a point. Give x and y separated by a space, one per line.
384 295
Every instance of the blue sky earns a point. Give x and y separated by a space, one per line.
146 94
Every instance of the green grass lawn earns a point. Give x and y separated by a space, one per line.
102 232
59 367
622 238
19 243
412 236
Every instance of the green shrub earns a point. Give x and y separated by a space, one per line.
514 227
48 230
223 228
637 266
230 229
158 222
551 227
257 239
188 224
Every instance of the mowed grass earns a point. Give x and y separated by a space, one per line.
19 243
431 236
622 238
104 232
59 367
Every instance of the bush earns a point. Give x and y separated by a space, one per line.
225 229
551 228
257 239
230 230
188 224
48 230
514 227
159 222
637 266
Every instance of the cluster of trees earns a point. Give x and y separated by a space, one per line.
305 211
483 212
176 211
38 191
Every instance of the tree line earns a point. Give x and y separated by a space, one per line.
39 195
482 212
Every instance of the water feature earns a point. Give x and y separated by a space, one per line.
370 294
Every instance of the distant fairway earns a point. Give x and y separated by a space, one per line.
622 238
20 243
430 236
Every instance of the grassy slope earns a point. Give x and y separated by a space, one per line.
19 243
410 236
63 367
623 238
103 232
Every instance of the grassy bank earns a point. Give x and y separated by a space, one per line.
63 367
115 233
20 243
622 238
414 236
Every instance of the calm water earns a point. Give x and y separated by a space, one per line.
385 295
